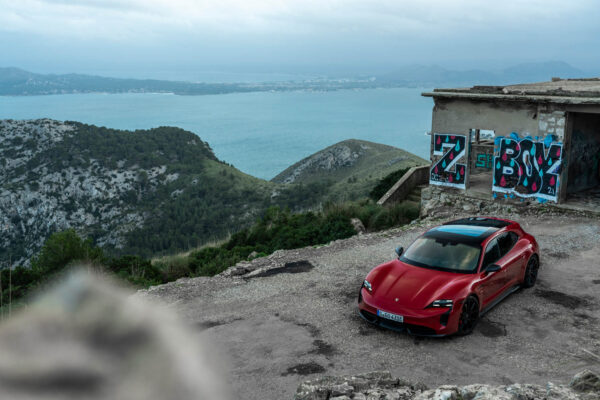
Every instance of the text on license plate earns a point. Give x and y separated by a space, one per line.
393 317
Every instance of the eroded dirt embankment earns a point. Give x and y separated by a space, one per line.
292 316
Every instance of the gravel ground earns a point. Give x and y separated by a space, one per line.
275 329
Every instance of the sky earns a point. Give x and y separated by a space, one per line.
151 38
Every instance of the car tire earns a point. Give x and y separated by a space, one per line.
469 315
531 272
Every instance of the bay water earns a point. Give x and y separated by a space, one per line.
260 133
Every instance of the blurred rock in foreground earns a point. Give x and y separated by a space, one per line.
381 385
88 339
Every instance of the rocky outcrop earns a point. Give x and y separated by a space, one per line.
331 159
381 385
373 385
256 266
358 226
88 339
349 162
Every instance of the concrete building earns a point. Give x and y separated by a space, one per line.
532 142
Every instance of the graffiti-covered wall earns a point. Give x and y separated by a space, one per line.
527 167
449 160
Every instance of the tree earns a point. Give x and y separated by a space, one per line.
61 248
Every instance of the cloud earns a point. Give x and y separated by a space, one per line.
298 32
136 19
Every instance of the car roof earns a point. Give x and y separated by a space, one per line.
473 231
481 221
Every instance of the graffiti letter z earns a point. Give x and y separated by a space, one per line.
447 171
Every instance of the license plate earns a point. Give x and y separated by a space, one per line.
393 317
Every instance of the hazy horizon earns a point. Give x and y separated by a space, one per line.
164 39
254 74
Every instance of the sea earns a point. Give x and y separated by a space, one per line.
260 133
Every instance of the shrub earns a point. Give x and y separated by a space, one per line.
277 229
173 268
136 270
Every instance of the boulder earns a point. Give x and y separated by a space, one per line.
89 339
586 381
358 226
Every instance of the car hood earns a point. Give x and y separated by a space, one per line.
414 287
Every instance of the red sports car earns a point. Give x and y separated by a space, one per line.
450 276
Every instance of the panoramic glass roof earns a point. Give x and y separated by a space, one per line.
467 230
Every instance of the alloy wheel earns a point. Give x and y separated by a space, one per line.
531 272
468 316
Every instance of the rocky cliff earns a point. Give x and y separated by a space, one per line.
122 188
36 198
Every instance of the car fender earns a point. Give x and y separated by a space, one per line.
379 272
456 290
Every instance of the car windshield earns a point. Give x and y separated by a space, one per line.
442 254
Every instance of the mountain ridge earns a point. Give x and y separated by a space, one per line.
433 75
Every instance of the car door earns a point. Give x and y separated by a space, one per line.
511 258
491 283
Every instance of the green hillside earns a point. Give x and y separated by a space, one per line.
157 191
351 168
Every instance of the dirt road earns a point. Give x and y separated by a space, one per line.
278 329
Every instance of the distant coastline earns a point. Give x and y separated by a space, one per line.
19 82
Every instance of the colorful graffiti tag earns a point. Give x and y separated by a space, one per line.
447 171
484 161
527 167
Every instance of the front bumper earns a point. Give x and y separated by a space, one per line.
432 322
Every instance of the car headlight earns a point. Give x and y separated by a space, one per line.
441 303
367 285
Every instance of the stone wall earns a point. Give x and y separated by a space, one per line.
551 123
414 177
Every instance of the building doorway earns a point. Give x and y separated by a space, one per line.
583 185
481 161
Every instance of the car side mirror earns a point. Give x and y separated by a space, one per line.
399 251
492 268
